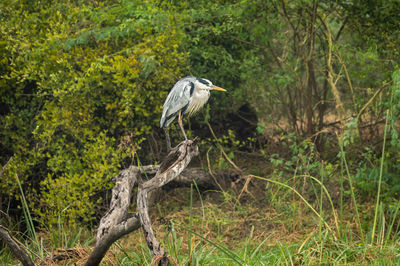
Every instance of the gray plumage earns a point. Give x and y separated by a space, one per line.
187 96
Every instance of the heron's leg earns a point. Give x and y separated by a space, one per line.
167 139
181 125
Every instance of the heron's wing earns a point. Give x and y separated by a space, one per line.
178 99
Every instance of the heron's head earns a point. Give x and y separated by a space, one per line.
205 84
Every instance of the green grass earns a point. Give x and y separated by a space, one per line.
277 223
205 230
45 243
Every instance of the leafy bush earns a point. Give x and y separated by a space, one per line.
84 175
77 78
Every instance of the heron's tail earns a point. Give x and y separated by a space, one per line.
163 118
162 121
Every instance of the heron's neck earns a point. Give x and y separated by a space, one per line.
198 100
203 93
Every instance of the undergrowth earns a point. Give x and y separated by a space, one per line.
305 211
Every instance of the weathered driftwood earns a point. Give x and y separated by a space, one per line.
167 172
17 250
118 222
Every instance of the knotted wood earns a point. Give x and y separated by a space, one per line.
118 221
167 172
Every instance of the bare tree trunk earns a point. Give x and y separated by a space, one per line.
309 98
311 83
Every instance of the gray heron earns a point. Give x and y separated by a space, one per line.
187 96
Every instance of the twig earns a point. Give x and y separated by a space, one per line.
348 81
5 166
244 189
335 91
248 178
222 150
210 169
372 99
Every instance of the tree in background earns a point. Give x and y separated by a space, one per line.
82 84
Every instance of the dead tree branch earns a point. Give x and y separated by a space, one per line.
167 172
372 99
118 221
17 250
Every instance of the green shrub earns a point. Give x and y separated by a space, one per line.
86 175
77 79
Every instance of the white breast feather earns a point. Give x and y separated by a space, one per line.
200 97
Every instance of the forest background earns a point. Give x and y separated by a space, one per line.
312 106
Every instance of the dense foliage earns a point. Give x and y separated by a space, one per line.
82 85
77 79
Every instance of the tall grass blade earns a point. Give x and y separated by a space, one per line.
301 197
123 250
225 250
28 218
202 207
190 222
389 232
259 246
380 179
247 248
341 180
353 197
174 241
322 172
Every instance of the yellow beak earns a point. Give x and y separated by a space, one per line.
217 88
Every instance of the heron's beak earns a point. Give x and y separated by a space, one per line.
217 88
